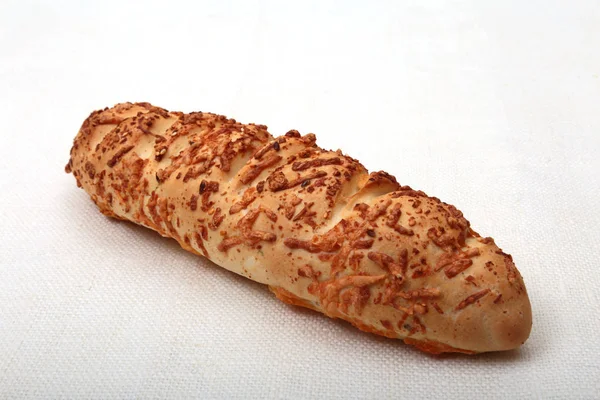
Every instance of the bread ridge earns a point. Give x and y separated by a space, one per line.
312 224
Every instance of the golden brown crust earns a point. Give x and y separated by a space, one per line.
310 223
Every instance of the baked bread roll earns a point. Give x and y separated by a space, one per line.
312 224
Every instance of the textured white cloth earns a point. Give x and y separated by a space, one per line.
491 106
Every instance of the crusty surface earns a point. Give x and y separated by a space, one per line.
312 224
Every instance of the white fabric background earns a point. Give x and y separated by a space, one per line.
491 106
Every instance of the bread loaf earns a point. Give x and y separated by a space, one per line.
312 224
